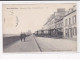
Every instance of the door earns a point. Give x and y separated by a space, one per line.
70 33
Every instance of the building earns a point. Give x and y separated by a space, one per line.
49 26
61 24
50 23
70 24
55 23
59 21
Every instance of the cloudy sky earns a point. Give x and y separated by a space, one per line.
19 18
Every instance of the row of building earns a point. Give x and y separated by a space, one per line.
62 23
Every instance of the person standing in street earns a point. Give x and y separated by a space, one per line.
21 36
24 36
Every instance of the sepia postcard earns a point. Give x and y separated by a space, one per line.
49 27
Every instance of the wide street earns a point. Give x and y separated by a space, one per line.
41 44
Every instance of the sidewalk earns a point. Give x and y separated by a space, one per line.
51 44
28 46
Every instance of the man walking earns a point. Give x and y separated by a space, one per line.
21 36
24 36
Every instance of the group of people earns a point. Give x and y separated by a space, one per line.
22 36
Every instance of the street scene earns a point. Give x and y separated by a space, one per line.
39 28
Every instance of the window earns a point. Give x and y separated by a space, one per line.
66 33
66 22
69 21
74 31
74 19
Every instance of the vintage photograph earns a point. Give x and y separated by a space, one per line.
47 27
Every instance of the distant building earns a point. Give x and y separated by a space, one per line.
70 24
50 23
29 32
59 20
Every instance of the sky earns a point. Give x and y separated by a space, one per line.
19 18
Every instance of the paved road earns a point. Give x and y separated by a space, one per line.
29 45
40 44
57 45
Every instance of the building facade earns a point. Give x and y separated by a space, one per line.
70 24
55 23
61 24
59 21
50 23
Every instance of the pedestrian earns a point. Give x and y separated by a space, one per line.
21 36
24 36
